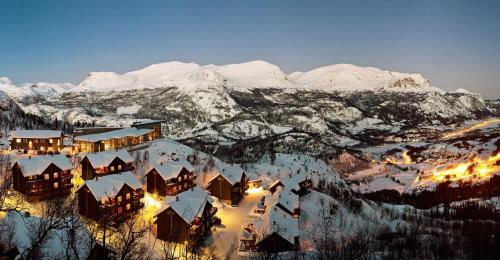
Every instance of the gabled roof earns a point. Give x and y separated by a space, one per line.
290 182
110 185
285 198
36 165
188 204
169 171
232 173
103 159
116 134
35 134
275 220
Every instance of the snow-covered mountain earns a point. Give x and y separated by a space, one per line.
343 104
250 75
33 89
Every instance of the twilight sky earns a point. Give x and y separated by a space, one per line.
455 44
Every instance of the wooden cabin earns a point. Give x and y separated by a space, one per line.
229 185
154 125
104 163
170 178
112 140
186 217
275 231
42 177
110 198
36 140
297 183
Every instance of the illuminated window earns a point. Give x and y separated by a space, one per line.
18 140
180 178
128 196
112 168
119 199
185 185
31 178
127 207
119 167
185 176
42 148
104 200
46 177
58 142
56 175
50 140
56 185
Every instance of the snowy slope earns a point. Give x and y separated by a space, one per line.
352 77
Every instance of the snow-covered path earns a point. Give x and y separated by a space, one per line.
233 218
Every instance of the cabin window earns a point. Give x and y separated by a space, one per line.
18 140
119 167
104 200
50 140
127 207
42 148
56 175
46 177
128 196
119 199
56 185
180 178
185 185
112 168
58 142
31 178
120 210
185 176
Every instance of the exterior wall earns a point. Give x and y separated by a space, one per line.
156 127
38 188
221 188
118 165
115 211
38 144
94 130
171 227
157 185
275 243
273 189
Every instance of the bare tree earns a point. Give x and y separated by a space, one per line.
56 215
128 239
8 200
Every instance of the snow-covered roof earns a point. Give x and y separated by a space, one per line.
146 121
116 134
172 169
275 220
188 204
36 165
110 185
290 182
103 159
285 198
232 173
35 134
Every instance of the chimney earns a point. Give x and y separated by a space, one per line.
176 198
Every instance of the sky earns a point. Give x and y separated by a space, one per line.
454 44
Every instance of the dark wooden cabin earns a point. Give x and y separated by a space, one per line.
170 179
42 177
36 140
229 186
186 217
299 184
110 198
151 124
104 163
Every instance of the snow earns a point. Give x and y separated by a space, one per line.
188 204
103 159
116 134
169 170
33 166
285 198
129 110
109 185
35 134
